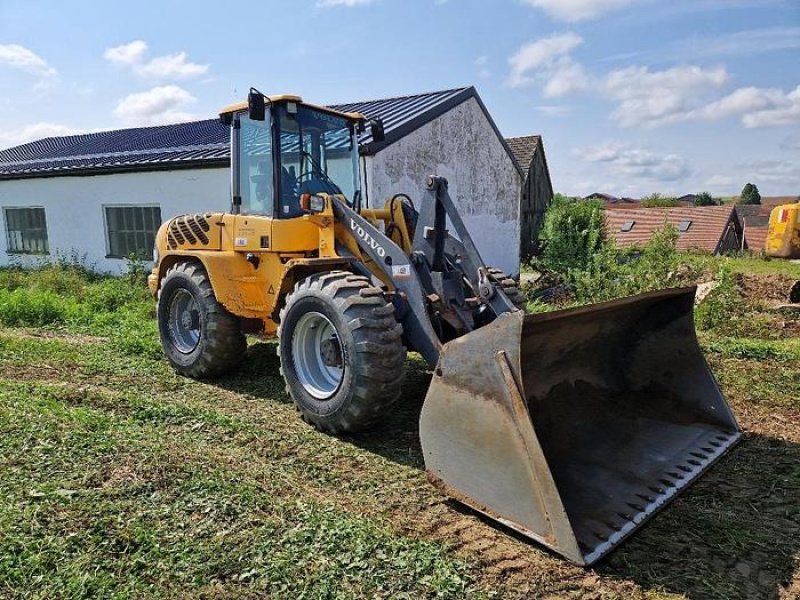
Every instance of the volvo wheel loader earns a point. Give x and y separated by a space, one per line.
571 427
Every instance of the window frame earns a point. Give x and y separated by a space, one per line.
46 252
107 230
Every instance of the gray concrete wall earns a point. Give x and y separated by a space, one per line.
462 146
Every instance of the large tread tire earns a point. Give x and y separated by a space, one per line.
221 346
371 351
509 287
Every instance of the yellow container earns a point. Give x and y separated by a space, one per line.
783 238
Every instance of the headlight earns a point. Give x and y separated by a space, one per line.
312 203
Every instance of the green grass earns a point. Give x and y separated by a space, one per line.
120 479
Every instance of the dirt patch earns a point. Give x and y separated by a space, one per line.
772 288
39 334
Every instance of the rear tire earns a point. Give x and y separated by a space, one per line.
509 287
200 338
341 352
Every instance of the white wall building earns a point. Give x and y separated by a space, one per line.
98 197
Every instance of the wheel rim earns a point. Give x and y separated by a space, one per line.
317 355
184 321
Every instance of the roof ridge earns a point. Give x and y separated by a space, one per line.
404 97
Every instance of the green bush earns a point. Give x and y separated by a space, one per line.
22 307
615 272
572 233
658 201
71 298
723 305
705 199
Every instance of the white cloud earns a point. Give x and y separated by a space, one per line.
347 3
483 70
19 57
568 77
758 107
740 43
656 97
578 10
35 131
554 110
169 66
785 111
157 106
781 173
548 55
638 163
127 54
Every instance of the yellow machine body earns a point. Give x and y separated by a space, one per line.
254 261
783 238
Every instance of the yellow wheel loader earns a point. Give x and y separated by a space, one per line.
571 427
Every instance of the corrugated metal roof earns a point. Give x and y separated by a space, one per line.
707 228
203 143
523 148
403 114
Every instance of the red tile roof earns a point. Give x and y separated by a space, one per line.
708 225
756 238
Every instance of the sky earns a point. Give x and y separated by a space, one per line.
632 97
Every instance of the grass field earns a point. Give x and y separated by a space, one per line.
120 479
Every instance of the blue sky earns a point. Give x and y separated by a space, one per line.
631 96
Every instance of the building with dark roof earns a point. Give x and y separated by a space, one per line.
715 229
102 195
537 189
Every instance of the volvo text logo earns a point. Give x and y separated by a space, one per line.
368 239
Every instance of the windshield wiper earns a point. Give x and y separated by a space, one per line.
323 176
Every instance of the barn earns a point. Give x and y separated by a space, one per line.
537 189
100 196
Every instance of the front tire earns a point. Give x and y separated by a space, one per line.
341 352
200 338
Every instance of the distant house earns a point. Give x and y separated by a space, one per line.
612 201
715 229
688 200
601 196
537 189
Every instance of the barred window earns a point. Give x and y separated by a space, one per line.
26 231
132 230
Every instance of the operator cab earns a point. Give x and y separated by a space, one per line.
282 148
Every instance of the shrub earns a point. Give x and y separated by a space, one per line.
658 201
32 308
572 232
615 272
705 199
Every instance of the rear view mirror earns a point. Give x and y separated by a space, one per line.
376 130
256 107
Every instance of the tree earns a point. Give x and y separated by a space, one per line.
658 201
705 199
750 194
573 231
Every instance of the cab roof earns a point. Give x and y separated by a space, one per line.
242 106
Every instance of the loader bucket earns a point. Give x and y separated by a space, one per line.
573 427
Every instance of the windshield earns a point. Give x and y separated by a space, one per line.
318 154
